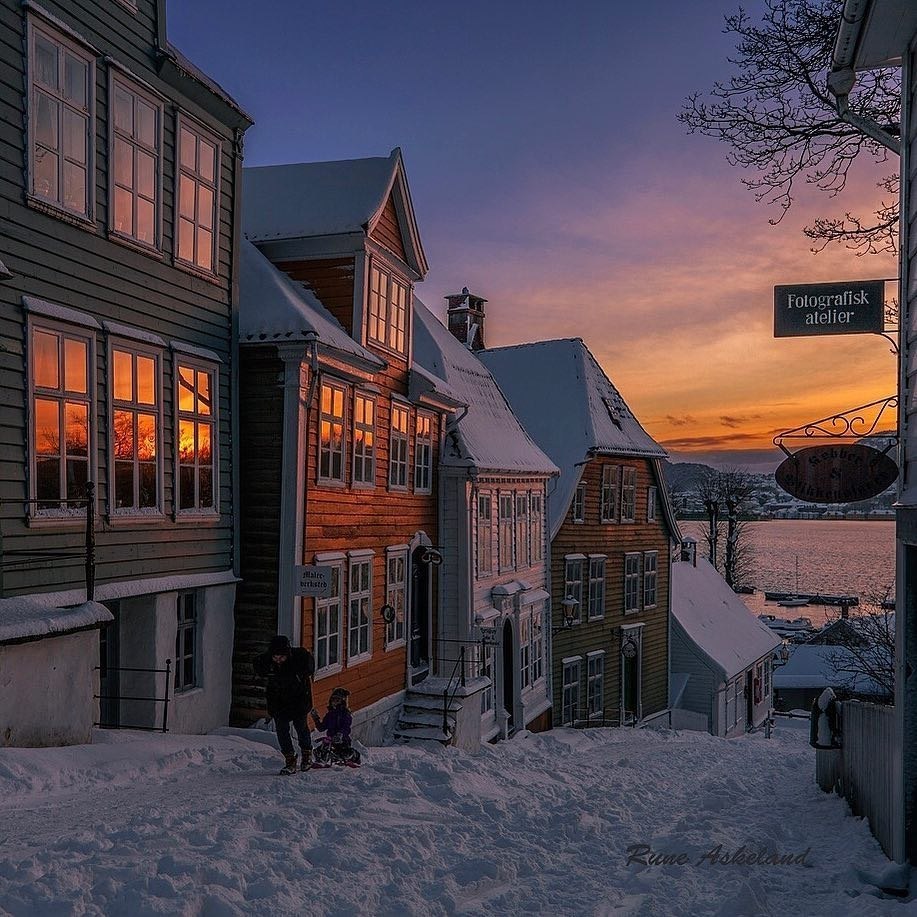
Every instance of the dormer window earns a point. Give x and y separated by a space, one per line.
388 310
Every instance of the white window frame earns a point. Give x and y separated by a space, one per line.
570 690
486 652
332 419
65 45
608 506
386 319
578 506
184 122
651 497
363 457
117 79
180 360
596 588
506 531
628 494
523 553
62 397
187 623
632 582
575 571
525 651
484 554
537 517
324 607
595 684
537 654
359 623
398 463
424 422
396 595
135 350
650 579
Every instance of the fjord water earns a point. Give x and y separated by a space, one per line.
836 556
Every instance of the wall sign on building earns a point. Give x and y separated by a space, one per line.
312 581
838 473
851 307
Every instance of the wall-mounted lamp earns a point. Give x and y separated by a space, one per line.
570 616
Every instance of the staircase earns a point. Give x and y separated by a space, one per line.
421 716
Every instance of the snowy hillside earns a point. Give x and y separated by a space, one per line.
138 824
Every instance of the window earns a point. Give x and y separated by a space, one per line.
360 609
628 494
364 439
423 454
59 371
578 507
537 656
505 531
134 163
331 433
596 588
631 583
135 430
767 678
570 692
525 651
522 530
740 697
609 503
573 581
196 438
650 569
197 196
595 685
537 528
186 642
730 706
396 596
388 310
651 504
398 447
61 123
328 623
485 550
487 671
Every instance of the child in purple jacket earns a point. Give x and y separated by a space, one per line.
336 724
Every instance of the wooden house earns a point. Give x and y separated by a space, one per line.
494 596
121 164
611 529
340 455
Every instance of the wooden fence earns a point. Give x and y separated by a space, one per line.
867 771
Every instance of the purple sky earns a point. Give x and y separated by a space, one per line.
549 175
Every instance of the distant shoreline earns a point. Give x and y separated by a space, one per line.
697 518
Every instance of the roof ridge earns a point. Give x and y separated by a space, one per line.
570 340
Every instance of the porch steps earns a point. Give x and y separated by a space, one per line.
421 716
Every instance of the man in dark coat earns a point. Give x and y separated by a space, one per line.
289 674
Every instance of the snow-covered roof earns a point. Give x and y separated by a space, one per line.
570 408
195 72
716 620
307 199
24 619
276 309
813 666
489 437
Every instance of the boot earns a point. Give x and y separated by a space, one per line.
306 759
290 766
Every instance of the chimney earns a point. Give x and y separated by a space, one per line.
689 551
466 318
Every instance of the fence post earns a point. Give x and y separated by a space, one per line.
90 541
165 706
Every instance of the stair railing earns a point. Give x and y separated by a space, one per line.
457 676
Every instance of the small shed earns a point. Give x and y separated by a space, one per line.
48 677
721 653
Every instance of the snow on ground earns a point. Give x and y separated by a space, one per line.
165 824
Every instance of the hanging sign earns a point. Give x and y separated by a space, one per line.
312 581
836 474
852 307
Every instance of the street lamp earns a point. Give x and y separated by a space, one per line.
569 618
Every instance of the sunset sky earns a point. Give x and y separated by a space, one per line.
549 175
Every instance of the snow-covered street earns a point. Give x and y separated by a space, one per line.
139 824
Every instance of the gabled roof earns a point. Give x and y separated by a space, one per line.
569 407
489 437
716 620
310 199
276 309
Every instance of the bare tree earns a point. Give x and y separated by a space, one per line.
736 489
782 125
708 492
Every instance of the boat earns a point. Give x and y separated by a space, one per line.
785 627
813 598
795 600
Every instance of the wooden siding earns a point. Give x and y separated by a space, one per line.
79 267
332 281
614 540
387 232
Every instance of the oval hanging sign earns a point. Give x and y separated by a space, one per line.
836 474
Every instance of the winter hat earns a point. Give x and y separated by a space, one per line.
280 645
339 694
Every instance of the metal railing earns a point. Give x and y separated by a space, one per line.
457 670
155 699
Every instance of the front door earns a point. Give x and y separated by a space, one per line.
509 697
109 686
419 611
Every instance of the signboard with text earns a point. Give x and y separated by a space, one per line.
851 307
838 473
312 581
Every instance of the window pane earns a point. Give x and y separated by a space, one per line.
124 484
185 388
124 110
76 417
124 216
146 222
204 431
46 365
186 240
46 115
46 174
186 442
146 437
146 175
208 160
77 476
75 187
146 380
122 371
123 434
206 479
124 163
146 123
186 487
205 207
75 82
204 400
47 485
188 144
186 197
204 249
75 365
75 129
47 427
45 61
148 485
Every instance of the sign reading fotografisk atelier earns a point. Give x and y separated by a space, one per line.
852 307
312 581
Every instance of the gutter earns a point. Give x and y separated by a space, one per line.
842 77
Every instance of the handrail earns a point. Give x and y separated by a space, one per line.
167 671
460 667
